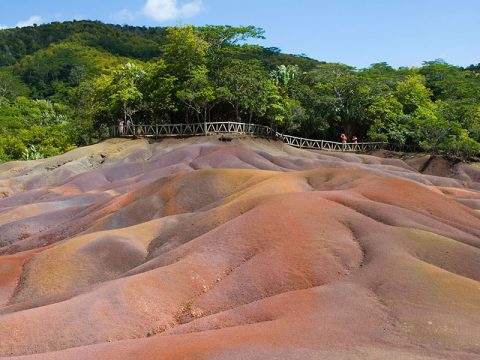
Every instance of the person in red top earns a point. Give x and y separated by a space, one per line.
344 139
354 139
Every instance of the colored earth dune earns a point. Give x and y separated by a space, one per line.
199 249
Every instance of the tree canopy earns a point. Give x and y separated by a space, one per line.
62 84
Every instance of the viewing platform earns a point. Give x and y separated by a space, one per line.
158 131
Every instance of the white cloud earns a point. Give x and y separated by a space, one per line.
163 10
35 19
124 14
55 17
29 22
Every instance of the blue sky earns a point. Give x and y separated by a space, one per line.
355 32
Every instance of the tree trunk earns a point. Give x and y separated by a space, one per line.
205 120
237 113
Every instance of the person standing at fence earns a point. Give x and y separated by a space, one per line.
354 139
120 127
129 126
343 137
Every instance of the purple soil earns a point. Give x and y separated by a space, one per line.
198 249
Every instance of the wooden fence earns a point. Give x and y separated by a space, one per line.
228 127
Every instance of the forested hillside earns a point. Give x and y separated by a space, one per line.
63 84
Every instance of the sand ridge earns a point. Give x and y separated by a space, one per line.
252 249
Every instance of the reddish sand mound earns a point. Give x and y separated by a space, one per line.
198 249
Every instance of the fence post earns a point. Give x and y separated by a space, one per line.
244 128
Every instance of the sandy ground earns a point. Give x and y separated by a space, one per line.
200 249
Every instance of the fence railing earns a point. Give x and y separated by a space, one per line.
330 145
198 129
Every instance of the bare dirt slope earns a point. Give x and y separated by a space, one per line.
198 249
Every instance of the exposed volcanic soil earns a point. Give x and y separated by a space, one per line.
201 249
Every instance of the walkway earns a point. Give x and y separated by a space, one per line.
199 129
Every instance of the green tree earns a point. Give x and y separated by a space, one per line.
33 124
246 88
11 86
117 95
224 43
54 71
197 92
389 122
345 96
184 51
450 82
158 89
285 75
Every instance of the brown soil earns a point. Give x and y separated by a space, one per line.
245 249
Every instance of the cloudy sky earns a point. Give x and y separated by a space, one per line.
355 32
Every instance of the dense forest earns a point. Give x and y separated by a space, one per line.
63 84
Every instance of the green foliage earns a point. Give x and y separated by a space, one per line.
345 96
389 121
158 89
450 82
278 111
54 71
31 153
197 92
184 51
33 128
409 116
88 76
10 85
116 95
129 41
285 76
223 42
223 35
245 87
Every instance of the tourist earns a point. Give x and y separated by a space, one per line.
354 139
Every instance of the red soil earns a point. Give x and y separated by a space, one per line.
198 249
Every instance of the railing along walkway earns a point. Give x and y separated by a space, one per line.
198 129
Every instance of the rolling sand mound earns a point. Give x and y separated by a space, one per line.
198 249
